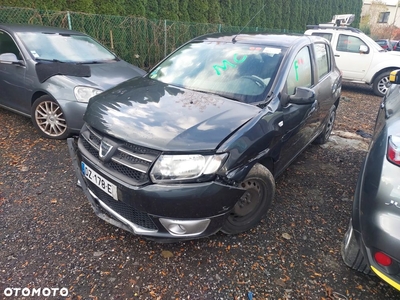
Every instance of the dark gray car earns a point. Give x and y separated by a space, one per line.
372 241
49 74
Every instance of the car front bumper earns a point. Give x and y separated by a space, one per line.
73 112
159 211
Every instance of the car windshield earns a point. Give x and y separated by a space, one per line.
64 47
237 71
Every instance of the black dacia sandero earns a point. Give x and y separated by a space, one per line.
194 146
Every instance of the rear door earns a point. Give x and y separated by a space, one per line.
313 67
12 77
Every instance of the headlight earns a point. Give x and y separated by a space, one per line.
84 93
184 167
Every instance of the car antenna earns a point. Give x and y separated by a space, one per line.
234 38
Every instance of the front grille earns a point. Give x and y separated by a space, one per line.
137 217
130 162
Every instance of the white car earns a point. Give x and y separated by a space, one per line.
360 58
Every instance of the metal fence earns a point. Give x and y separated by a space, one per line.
140 41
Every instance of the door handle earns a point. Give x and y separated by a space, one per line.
337 55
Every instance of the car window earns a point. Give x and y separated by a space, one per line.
323 59
348 43
300 74
325 35
242 72
64 47
7 45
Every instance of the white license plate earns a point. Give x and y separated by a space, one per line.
99 181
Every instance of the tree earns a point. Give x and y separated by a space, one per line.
168 9
109 7
198 11
183 11
295 15
287 14
135 7
152 9
214 11
255 13
225 14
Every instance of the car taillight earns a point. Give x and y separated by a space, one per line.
393 152
382 259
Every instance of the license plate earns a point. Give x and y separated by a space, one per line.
99 181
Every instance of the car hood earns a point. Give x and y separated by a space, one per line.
107 75
103 76
393 53
156 115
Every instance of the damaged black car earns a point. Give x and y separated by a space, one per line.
194 147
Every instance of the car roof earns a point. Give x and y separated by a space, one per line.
36 28
279 40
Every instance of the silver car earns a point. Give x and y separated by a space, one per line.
49 74
372 242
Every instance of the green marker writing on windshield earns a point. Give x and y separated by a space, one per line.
296 68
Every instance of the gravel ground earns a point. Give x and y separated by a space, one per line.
50 237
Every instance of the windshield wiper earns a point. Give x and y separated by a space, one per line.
50 60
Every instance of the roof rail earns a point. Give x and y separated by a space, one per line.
333 27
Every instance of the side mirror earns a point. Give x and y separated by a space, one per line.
302 96
10 58
394 77
363 49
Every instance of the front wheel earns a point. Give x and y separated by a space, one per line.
49 119
259 187
381 84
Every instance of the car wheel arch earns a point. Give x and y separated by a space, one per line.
376 78
36 95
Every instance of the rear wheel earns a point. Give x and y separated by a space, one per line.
326 133
351 253
381 84
255 202
49 119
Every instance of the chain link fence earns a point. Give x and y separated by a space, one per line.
140 41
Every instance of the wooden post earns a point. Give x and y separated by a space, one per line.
112 42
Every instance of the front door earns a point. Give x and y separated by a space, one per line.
12 77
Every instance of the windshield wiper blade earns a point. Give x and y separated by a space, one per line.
50 60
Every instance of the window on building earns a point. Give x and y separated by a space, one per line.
383 17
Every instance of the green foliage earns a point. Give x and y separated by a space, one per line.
79 6
283 15
198 10
135 8
152 9
226 8
109 7
168 9
214 11
183 11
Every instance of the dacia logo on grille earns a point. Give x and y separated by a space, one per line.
105 150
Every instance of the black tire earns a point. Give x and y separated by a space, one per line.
48 118
381 84
255 202
352 254
326 133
